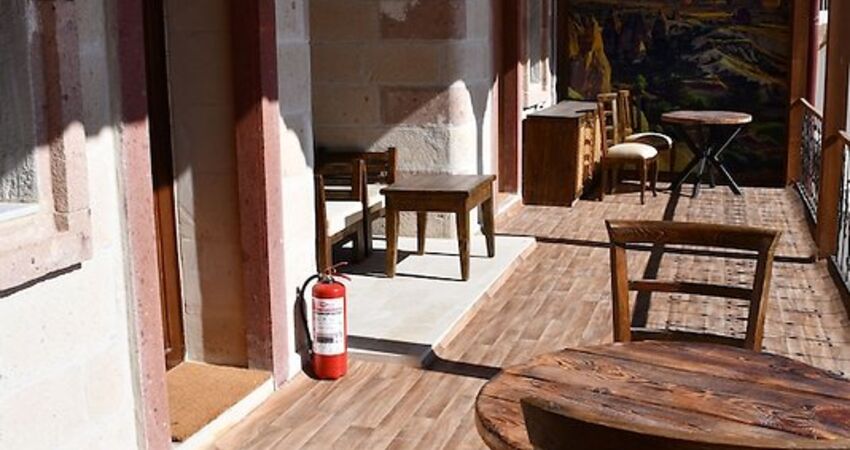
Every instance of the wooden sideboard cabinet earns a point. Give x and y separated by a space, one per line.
561 149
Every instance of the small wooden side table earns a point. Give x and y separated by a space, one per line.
669 395
457 194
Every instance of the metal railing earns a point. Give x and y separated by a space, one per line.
842 254
811 148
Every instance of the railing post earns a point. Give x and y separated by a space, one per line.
835 119
798 86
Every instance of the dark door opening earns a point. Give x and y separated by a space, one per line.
159 117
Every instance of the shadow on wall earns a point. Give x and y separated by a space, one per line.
417 75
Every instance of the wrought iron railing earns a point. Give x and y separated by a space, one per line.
842 254
811 147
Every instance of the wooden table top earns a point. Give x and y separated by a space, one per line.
704 393
437 183
707 118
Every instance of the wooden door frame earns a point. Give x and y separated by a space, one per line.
159 120
261 214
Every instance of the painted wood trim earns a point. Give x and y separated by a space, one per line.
798 83
835 119
140 241
258 157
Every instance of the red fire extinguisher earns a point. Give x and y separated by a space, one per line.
328 344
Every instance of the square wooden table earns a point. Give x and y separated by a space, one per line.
457 194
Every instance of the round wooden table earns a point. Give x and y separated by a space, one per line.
711 144
706 394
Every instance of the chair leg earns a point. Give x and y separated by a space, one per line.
615 179
672 160
359 245
655 178
642 166
367 231
324 258
604 184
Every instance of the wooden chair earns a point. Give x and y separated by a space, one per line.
628 125
761 241
558 426
340 190
380 172
616 154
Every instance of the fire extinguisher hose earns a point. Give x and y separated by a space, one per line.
304 321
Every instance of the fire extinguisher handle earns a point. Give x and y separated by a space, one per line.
304 322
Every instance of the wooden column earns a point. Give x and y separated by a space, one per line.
801 29
259 176
835 120
509 96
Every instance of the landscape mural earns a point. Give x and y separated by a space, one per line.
709 54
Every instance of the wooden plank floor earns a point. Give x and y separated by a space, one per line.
560 297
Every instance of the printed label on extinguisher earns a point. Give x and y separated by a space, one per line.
329 326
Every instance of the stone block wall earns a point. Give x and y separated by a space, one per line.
66 380
414 74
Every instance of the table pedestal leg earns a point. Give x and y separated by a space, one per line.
392 241
462 217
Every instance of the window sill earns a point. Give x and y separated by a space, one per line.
11 211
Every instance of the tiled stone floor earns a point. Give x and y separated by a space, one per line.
559 296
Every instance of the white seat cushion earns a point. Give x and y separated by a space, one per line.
341 214
657 140
376 199
633 150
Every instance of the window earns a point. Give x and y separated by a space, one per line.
18 180
44 205
536 54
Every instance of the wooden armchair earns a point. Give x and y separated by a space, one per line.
761 241
380 172
340 190
628 125
616 154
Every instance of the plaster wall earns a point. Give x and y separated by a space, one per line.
206 185
65 373
296 140
414 74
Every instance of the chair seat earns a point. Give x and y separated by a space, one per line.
660 141
342 214
376 199
632 150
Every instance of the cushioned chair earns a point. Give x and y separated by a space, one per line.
616 154
340 192
380 172
628 125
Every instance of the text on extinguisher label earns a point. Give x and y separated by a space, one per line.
329 326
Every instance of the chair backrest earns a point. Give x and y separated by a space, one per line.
341 181
380 166
758 240
609 120
626 109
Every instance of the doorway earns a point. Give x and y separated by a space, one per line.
162 167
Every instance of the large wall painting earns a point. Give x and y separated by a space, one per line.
697 54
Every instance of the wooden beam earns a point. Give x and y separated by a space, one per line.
835 119
258 158
797 84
